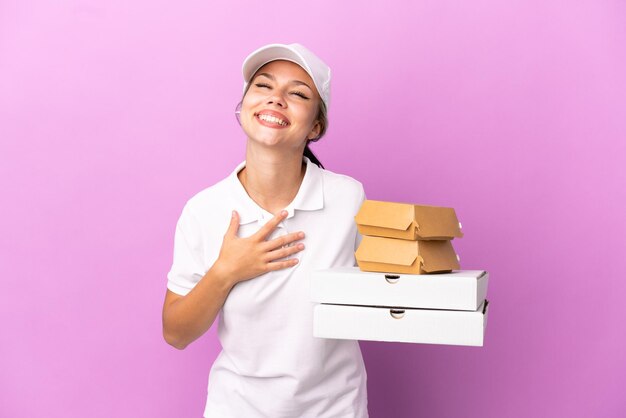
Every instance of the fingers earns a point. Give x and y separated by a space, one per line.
266 229
282 241
277 265
284 252
234 225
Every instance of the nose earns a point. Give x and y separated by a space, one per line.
276 98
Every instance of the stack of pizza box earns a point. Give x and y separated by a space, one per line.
408 285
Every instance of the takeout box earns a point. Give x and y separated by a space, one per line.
400 324
407 221
389 296
392 255
459 290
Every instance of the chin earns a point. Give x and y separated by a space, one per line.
267 140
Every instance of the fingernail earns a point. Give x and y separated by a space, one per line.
233 214
301 234
283 213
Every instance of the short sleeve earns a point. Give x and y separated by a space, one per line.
358 239
187 267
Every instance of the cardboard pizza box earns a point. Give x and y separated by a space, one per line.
428 326
459 290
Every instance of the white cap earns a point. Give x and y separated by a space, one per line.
312 64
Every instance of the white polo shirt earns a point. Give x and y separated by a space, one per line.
270 364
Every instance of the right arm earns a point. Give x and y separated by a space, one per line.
186 318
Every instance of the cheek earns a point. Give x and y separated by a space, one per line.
245 104
306 117
246 111
245 117
250 100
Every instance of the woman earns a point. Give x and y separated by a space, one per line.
239 254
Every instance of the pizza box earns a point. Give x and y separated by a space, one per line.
374 323
459 290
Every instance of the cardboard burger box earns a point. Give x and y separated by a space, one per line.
391 255
406 238
407 221
463 290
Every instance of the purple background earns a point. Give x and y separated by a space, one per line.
113 113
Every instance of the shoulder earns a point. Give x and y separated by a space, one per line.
341 182
202 206
342 187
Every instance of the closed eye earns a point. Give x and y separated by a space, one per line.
297 93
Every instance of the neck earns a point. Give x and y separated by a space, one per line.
272 180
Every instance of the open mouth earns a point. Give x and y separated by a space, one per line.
271 120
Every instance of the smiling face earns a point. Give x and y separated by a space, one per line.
281 106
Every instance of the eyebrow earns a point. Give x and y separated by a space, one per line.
297 82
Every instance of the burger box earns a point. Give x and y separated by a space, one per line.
392 255
459 290
409 325
407 221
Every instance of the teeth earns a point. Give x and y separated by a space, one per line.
273 119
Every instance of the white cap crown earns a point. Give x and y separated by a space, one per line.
312 64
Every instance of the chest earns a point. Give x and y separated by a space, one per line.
329 241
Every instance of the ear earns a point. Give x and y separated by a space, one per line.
317 128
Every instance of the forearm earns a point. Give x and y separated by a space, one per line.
189 317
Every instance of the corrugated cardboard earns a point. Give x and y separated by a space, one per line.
407 221
459 290
400 325
391 255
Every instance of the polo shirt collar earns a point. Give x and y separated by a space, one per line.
310 196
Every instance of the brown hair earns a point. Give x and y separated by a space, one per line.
322 117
